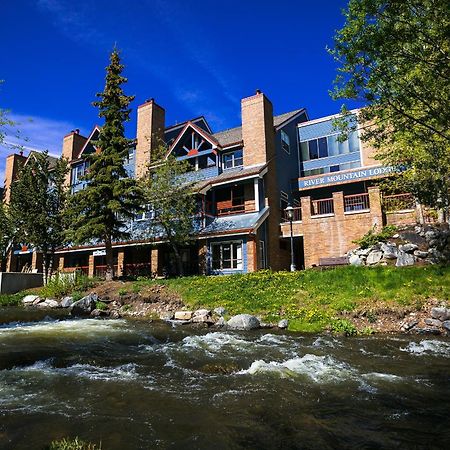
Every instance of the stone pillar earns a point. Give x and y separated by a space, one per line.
154 261
305 203
61 263
120 263
202 257
375 206
91 271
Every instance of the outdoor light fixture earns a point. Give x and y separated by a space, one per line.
290 215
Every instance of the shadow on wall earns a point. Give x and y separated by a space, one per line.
12 282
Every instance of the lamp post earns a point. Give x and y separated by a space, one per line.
290 215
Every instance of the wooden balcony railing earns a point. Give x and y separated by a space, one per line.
235 209
296 212
398 202
357 202
321 207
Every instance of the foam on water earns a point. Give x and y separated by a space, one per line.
215 342
122 372
317 368
428 347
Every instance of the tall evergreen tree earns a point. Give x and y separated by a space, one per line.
38 198
394 56
99 211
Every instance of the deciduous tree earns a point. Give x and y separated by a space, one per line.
394 57
38 199
170 196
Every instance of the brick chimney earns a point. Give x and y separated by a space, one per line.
72 145
257 129
12 166
149 135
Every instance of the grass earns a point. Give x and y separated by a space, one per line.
312 300
73 444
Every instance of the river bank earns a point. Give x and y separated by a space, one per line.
346 300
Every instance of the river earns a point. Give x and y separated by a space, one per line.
139 385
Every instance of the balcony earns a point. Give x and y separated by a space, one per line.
322 207
356 203
296 212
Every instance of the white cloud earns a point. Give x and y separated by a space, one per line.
36 133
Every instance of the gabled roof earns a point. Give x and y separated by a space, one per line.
210 138
232 136
182 124
88 142
51 159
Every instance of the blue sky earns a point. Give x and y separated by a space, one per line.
194 57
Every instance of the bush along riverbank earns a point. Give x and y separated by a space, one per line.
346 300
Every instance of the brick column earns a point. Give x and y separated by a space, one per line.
11 262
61 263
91 266
252 261
202 261
338 204
36 261
306 209
154 260
120 263
375 206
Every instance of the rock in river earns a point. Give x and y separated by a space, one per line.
243 322
84 306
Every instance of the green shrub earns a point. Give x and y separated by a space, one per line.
73 444
61 285
122 292
101 306
372 238
343 326
11 299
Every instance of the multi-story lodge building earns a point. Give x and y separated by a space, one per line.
245 178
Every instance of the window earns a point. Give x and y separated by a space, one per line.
227 255
147 214
233 159
326 146
262 255
285 145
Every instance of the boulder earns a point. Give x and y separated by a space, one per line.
405 259
183 315
441 314
99 313
356 260
389 250
420 254
37 301
446 325
66 302
51 303
115 314
433 331
166 315
374 257
408 248
406 326
243 322
30 299
433 322
220 323
84 306
220 311
283 324
202 316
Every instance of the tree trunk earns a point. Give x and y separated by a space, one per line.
44 268
109 260
178 260
50 263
